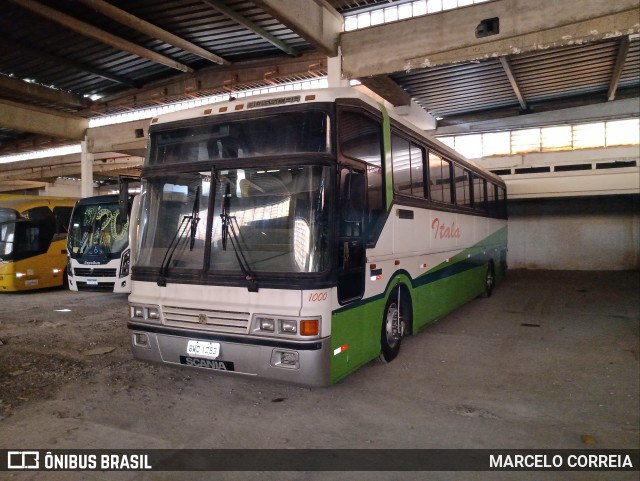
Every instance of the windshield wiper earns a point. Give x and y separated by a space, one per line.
188 221
228 227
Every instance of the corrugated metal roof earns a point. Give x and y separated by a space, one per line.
555 74
35 47
192 20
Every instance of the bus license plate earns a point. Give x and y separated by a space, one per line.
203 349
92 282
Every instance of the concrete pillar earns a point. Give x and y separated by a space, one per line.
334 71
86 170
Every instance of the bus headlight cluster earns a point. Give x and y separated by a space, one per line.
289 326
125 263
151 313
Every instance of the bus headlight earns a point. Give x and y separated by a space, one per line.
147 313
288 326
267 324
125 263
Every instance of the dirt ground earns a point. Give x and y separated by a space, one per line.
551 360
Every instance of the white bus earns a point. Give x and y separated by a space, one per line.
98 255
297 236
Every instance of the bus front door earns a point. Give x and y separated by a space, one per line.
351 245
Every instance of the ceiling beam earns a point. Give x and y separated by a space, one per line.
597 112
36 120
386 88
63 166
100 35
29 143
215 80
261 32
514 83
14 185
623 50
151 30
450 37
314 20
22 89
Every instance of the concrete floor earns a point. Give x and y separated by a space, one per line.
549 358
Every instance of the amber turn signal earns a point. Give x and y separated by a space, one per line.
309 328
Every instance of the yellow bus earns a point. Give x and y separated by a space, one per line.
33 238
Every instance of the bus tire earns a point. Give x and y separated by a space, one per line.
489 280
396 322
65 280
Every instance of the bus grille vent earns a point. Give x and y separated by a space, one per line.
94 272
218 321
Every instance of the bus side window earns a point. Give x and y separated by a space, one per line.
401 158
375 203
502 202
360 137
408 167
491 198
478 193
462 186
63 217
440 178
417 171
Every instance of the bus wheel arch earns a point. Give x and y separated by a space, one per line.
489 279
397 322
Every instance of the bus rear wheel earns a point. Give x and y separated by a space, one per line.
396 323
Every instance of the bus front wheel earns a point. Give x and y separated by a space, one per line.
395 324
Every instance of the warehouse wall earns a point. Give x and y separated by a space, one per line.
594 233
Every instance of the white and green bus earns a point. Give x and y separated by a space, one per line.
297 236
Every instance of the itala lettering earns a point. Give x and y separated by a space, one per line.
442 231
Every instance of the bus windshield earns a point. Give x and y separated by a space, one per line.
23 238
98 230
8 214
265 221
281 134
7 236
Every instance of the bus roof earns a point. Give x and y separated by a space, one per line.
102 199
99 199
21 203
297 97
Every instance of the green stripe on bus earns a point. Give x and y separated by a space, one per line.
386 143
356 328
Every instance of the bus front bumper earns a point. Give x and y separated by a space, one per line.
304 363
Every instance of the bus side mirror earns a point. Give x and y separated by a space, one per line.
133 228
123 201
